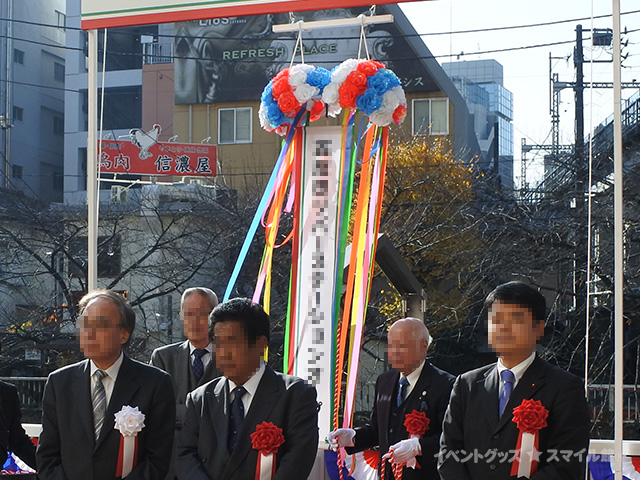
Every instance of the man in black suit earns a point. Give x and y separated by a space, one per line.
78 440
190 363
412 384
215 442
480 436
12 436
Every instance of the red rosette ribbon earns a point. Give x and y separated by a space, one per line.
530 417
416 423
266 439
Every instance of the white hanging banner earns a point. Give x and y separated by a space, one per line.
316 264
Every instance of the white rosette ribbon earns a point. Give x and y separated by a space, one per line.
129 421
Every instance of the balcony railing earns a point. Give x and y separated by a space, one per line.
156 52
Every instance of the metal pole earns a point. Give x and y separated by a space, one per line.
618 241
8 115
92 171
578 60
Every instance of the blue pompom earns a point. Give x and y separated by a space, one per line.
379 82
267 93
320 77
394 81
369 101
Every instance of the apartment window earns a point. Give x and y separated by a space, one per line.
58 72
16 172
122 108
18 113
18 56
431 116
58 126
234 125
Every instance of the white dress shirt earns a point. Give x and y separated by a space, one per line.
518 371
412 378
251 386
109 380
206 359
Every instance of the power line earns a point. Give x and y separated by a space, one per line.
459 32
477 30
530 25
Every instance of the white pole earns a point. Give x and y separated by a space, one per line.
333 23
618 241
92 170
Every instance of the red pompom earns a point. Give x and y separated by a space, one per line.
368 67
289 104
357 78
348 93
399 114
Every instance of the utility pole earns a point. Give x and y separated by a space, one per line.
578 61
579 162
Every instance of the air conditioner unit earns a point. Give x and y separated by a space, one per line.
206 182
119 194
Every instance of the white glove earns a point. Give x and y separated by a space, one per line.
340 438
406 450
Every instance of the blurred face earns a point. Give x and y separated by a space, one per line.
100 334
195 315
406 350
513 333
235 357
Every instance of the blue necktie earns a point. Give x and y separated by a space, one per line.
198 367
402 390
236 418
508 379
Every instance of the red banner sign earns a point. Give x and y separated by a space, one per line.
120 13
180 159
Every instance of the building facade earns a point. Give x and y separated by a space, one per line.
223 65
32 82
128 49
481 83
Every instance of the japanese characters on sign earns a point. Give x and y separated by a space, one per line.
181 159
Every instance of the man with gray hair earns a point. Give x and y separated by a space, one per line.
413 384
90 408
190 363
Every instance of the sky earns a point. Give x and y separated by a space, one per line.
526 71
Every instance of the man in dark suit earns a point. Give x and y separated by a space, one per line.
12 436
215 442
412 384
480 437
190 363
78 440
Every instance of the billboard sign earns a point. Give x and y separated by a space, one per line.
180 159
121 13
231 59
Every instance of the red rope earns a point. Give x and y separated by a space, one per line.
396 469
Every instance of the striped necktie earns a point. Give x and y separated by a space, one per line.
99 401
